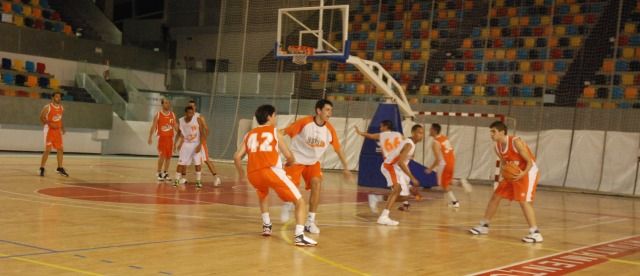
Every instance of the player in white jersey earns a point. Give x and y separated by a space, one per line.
189 142
395 169
310 138
205 148
388 140
387 137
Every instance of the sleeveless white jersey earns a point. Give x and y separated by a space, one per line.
190 130
389 140
394 155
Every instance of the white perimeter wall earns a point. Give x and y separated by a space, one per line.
552 149
476 159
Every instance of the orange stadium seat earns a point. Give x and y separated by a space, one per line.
589 92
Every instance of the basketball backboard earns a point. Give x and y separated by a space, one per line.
323 28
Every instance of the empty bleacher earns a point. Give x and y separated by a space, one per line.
30 79
33 14
616 84
520 53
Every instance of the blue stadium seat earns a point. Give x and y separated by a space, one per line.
8 78
491 91
6 64
30 66
527 91
622 65
618 92
43 82
514 91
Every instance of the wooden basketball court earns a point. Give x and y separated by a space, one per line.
112 218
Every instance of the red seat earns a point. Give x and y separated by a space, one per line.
536 66
503 91
40 68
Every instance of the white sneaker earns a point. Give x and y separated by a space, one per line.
466 185
312 228
373 202
535 237
285 212
183 181
454 204
302 240
387 221
216 182
480 230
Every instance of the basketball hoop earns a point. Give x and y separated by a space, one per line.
300 53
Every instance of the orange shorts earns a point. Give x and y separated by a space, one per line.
165 146
205 153
523 190
445 175
308 172
276 179
53 137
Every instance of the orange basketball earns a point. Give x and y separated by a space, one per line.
510 170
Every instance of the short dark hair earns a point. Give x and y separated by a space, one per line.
192 101
263 112
500 126
437 127
56 93
388 124
188 108
321 103
414 128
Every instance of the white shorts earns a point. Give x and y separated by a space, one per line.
400 177
189 156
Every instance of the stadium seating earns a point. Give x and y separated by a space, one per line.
33 14
521 53
619 76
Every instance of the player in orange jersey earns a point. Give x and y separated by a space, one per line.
522 188
310 138
205 148
51 118
164 125
444 163
263 145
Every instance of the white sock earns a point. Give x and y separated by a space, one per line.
299 230
406 202
198 175
484 222
452 196
266 219
178 176
311 217
385 213
533 229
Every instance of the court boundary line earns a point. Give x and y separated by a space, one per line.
315 256
560 252
51 265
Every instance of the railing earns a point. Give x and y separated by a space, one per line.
95 84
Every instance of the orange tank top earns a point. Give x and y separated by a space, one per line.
54 116
509 153
261 145
446 149
165 124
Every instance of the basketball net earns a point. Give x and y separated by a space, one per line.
300 53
